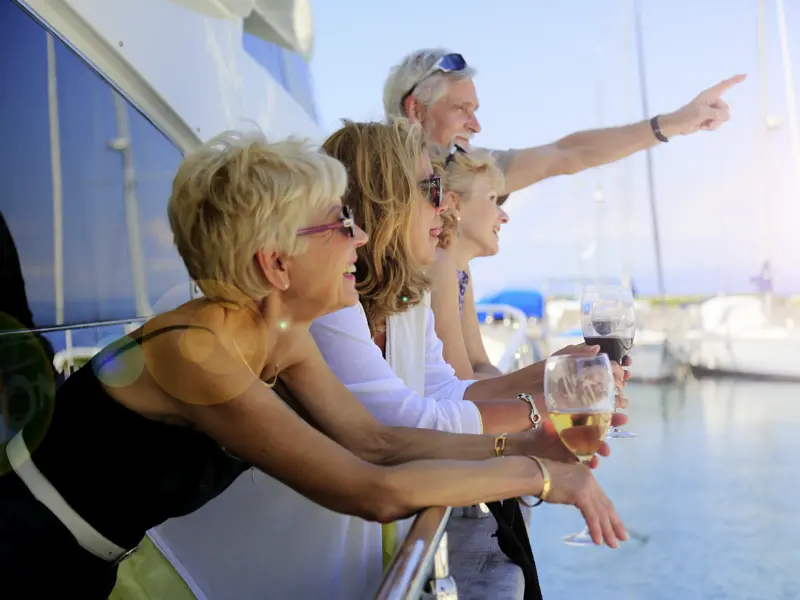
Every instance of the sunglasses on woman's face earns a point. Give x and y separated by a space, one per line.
345 224
432 188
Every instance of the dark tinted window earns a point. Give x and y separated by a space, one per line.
84 237
84 183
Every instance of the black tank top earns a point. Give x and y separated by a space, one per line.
122 472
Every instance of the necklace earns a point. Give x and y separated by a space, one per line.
270 383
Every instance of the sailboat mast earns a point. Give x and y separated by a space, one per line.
599 193
627 204
649 152
764 131
791 97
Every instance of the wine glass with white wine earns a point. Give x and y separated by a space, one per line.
579 392
608 320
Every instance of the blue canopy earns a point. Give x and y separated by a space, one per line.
530 302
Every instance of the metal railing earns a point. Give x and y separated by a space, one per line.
421 564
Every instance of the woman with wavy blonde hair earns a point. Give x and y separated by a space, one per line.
394 193
383 167
385 349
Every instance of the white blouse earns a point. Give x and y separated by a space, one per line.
344 339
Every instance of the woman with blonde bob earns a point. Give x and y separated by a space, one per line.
165 419
471 184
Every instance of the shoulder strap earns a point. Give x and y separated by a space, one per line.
512 537
125 343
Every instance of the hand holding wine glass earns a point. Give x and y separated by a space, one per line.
621 375
579 392
608 320
545 442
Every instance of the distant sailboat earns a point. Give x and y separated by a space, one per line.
742 335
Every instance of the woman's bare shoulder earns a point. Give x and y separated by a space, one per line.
191 354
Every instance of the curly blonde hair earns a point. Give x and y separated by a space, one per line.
238 194
381 161
458 177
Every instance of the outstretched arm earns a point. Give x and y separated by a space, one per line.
587 149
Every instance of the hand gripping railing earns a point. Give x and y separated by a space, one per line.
421 564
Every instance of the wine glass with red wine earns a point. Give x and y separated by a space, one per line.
608 320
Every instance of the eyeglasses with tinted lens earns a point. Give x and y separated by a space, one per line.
449 63
345 224
432 188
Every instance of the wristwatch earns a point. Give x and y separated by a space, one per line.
656 127
536 418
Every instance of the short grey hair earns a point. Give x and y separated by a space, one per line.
408 74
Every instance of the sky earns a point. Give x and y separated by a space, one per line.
725 201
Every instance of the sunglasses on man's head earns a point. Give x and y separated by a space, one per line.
345 224
432 188
449 63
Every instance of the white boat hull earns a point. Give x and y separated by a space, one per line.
776 358
736 338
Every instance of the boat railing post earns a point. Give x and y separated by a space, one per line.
420 567
442 585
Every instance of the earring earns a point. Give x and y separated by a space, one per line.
286 286
458 227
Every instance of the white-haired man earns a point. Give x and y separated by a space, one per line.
434 87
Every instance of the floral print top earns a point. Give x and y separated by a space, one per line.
463 280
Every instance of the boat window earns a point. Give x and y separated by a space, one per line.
84 183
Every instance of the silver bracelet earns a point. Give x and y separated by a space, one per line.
535 417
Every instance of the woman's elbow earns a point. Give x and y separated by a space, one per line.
383 500
384 513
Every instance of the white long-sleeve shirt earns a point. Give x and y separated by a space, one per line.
344 339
